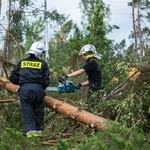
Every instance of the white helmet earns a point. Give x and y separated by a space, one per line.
90 49
37 48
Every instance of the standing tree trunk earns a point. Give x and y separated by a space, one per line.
134 31
6 50
0 6
139 30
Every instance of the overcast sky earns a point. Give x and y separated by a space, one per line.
120 14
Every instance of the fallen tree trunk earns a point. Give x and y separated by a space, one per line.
82 116
62 107
13 88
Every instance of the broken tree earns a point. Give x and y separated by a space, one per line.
62 107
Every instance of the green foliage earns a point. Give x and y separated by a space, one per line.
33 32
63 145
57 17
10 116
130 110
2 94
66 28
14 140
17 23
91 143
67 52
116 138
24 2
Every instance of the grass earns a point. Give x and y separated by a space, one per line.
115 138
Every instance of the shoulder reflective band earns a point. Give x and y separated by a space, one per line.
31 64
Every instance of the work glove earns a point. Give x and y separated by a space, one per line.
78 86
63 79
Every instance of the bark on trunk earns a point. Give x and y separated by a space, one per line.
8 85
62 107
82 116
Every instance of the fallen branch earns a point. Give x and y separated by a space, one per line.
50 142
7 101
114 91
6 61
120 85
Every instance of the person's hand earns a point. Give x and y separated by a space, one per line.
63 79
78 86
17 90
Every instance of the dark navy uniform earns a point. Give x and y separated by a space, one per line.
32 74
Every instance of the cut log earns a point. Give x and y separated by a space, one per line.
13 88
82 116
62 107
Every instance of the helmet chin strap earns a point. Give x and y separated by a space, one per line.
90 55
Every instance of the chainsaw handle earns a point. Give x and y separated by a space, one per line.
63 79
78 86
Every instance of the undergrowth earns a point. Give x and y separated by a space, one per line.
116 138
129 115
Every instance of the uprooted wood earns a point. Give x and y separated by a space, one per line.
122 86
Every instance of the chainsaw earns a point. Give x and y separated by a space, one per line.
67 87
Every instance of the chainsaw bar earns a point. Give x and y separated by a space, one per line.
52 89
67 87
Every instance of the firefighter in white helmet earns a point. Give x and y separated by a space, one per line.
91 68
32 74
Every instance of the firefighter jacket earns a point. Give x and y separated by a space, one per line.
31 70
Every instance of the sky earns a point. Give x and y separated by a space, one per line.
120 15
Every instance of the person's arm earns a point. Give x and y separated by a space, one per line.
76 73
46 76
14 76
85 83
73 74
